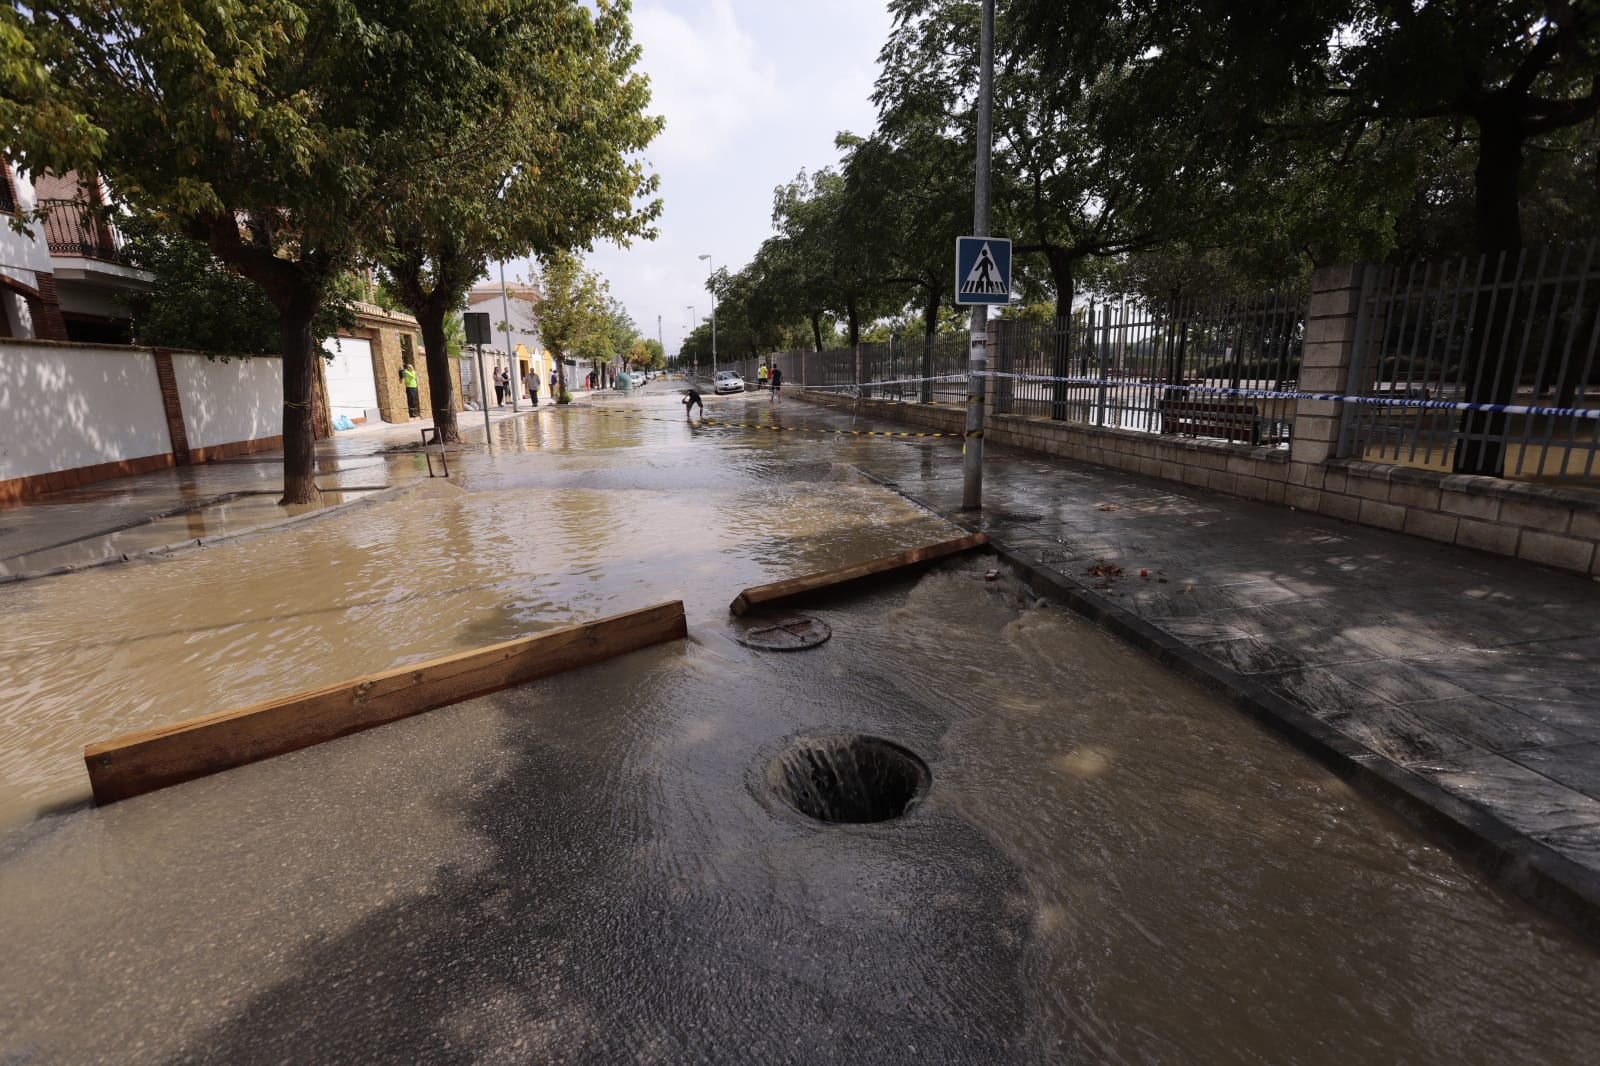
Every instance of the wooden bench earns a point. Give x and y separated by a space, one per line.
1217 418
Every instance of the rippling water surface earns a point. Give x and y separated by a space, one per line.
1108 865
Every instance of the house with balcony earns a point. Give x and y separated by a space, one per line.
68 278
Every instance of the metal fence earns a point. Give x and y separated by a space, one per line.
1213 367
1209 367
1481 365
75 228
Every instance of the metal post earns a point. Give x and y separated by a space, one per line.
694 320
483 389
711 273
511 358
978 330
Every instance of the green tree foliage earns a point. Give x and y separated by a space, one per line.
550 172
1508 80
831 269
196 302
572 315
281 134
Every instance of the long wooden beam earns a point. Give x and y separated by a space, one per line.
796 587
155 758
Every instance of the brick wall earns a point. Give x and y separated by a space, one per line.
48 325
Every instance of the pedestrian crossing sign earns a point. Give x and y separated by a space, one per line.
983 270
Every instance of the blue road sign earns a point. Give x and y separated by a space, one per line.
983 270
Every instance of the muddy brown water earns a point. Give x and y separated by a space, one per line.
1108 866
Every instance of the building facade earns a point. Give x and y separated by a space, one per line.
68 278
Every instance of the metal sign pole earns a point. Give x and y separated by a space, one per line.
515 383
483 389
978 331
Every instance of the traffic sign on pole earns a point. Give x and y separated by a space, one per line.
983 270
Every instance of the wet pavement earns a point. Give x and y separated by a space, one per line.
1461 676
1110 865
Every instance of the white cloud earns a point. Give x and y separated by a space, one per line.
753 91
708 77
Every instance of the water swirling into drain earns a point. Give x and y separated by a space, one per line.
848 777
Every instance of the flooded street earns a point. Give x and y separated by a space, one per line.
1109 865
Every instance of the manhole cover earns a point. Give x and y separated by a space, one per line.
1015 516
790 634
848 777
6 531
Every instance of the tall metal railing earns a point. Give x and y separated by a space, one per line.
76 228
1481 365
1202 367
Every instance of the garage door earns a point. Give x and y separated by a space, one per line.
351 388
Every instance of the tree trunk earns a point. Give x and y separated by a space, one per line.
816 328
930 327
300 356
1061 264
441 386
1498 228
854 316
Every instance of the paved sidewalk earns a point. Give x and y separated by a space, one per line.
207 502
1463 687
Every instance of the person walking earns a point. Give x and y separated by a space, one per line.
501 379
408 377
531 382
777 382
761 376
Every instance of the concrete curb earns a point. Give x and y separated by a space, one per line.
1532 871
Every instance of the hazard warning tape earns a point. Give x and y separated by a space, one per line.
717 423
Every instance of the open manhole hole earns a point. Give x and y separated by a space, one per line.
786 634
848 777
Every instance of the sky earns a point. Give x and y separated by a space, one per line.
753 91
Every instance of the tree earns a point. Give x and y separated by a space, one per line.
548 173
573 313
831 266
196 302
1512 73
909 192
280 134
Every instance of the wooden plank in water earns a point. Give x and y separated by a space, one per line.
155 758
762 595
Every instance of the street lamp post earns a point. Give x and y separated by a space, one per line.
511 358
710 273
694 320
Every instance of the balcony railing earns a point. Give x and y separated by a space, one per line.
73 228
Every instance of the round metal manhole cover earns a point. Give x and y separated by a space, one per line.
793 633
848 778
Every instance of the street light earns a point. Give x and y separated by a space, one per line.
693 321
710 273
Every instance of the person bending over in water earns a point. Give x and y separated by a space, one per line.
691 400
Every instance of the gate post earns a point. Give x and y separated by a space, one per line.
1325 364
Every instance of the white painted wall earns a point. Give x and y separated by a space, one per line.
66 407
352 388
21 256
228 402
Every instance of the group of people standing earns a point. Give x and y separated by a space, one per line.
772 377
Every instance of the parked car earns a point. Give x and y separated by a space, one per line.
728 381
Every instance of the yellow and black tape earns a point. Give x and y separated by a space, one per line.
776 429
